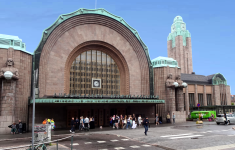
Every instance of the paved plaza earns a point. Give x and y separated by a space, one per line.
184 136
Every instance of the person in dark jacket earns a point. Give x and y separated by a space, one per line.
20 127
77 123
146 125
73 123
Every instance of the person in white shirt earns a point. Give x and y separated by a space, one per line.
140 120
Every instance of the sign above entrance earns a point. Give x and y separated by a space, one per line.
97 101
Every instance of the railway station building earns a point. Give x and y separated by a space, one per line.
92 63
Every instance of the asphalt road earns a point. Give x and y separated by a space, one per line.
186 136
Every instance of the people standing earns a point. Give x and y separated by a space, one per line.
173 117
125 122
113 121
168 117
72 125
157 119
139 120
13 128
146 125
121 122
133 122
52 124
128 122
20 127
81 123
77 123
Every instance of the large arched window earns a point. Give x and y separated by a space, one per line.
94 65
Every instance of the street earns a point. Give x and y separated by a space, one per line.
185 136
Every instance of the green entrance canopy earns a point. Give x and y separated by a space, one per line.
96 101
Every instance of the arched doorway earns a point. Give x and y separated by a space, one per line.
94 67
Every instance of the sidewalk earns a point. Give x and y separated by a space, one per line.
59 132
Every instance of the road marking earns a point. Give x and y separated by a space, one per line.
119 148
101 141
224 130
216 147
114 140
75 144
176 135
88 142
125 139
135 146
203 132
181 137
146 145
209 131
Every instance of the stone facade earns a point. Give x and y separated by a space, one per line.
164 78
15 93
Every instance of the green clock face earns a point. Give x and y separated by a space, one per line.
183 27
173 28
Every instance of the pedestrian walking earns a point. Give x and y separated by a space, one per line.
146 125
72 125
125 122
77 123
133 122
173 117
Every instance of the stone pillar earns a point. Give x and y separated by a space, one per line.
228 95
180 100
186 101
8 98
195 95
170 92
216 92
204 96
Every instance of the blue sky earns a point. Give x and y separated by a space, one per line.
210 22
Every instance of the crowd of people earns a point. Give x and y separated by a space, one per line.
82 124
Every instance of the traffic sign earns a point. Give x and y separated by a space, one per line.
198 105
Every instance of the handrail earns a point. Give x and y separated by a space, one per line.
37 143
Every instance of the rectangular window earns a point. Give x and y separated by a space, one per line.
184 103
209 100
191 99
200 99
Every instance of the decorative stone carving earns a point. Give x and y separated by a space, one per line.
170 83
180 82
9 72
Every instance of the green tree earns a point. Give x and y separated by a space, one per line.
232 103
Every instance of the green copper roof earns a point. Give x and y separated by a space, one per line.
219 79
83 11
7 41
164 61
178 28
97 101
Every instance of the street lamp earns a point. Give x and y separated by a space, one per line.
33 119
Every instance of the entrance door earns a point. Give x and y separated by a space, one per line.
70 114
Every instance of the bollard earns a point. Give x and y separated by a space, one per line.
72 143
57 145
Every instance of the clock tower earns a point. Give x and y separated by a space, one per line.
179 45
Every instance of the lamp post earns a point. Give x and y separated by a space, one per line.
33 119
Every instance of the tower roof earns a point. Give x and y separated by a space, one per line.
164 62
178 28
7 41
178 18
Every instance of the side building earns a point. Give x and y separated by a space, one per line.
15 81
